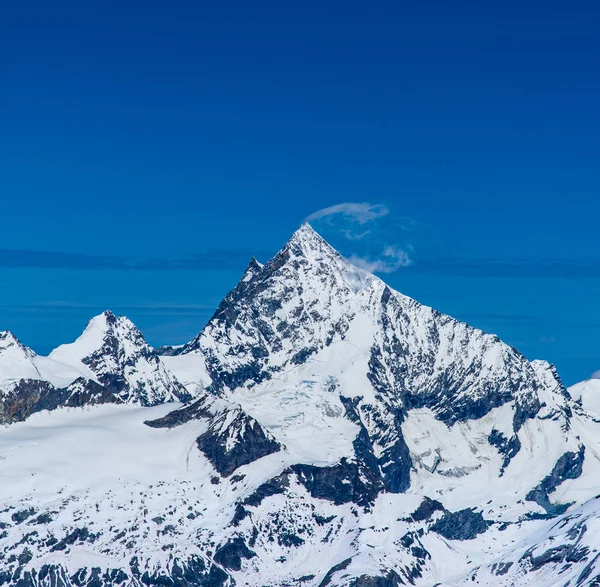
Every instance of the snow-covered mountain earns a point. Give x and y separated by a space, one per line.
587 393
114 352
109 363
341 434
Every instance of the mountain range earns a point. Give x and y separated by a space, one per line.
321 430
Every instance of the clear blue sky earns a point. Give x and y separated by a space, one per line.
147 150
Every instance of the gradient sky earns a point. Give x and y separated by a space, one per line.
148 150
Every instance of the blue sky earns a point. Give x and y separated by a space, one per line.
147 151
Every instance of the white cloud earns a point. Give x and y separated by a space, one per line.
360 212
392 258
370 228
595 375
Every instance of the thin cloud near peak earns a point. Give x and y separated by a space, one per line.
370 227
392 258
360 212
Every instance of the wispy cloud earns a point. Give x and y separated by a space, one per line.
374 253
372 232
359 212
595 375
391 259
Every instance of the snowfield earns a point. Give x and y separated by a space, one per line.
322 429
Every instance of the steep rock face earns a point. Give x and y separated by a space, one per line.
30 383
343 434
194 572
28 396
234 439
229 438
308 297
115 352
110 363
316 340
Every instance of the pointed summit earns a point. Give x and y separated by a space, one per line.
107 320
16 360
306 231
307 242
113 352
109 317
253 268
8 339
307 273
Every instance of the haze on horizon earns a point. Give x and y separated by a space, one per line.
146 156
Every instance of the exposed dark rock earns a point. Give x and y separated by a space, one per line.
394 465
44 518
85 392
568 466
500 569
462 525
199 409
226 422
274 486
321 520
508 447
444 391
587 571
251 442
111 362
342 483
20 516
230 555
24 557
419 552
555 555
525 409
426 509
301 356
335 569
193 572
77 535
289 540
29 396
392 579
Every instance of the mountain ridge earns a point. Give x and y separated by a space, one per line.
339 433
109 363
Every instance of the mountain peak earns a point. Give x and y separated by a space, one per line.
12 346
104 320
112 351
109 316
7 338
307 235
253 268
308 244
306 230
109 324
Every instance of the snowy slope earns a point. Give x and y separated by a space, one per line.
341 434
588 394
326 355
113 351
20 362
110 362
